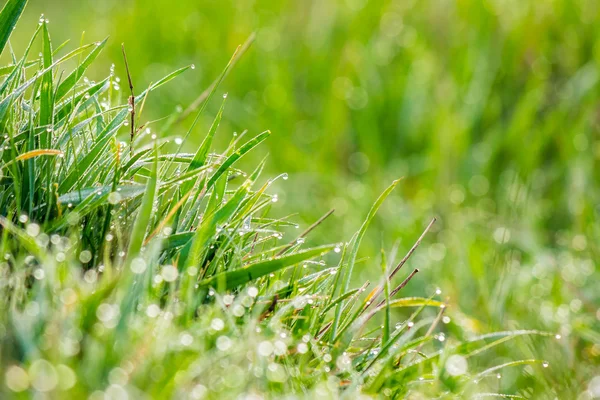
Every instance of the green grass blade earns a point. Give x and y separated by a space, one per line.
231 279
9 16
46 103
101 143
71 80
200 156
161 82
249 145
144 215
126 192
506 365
209 224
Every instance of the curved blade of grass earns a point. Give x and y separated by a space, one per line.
177 240
508 364
126 192
232 159
46 103
65 108
231 279
161 82
200 156
9 16
140 226
10 68
71 80
37 153
205 97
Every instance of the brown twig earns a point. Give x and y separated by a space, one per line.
399 287
412 249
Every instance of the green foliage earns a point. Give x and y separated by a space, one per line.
10 14
132 268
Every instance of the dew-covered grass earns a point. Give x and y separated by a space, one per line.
146 260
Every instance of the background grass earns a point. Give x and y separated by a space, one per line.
489 109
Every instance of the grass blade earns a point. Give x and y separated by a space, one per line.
71 80
9 16
231 279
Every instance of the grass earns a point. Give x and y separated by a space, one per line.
134 267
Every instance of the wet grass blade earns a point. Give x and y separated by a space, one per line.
94 153
70 81
46 91
231 279
144 216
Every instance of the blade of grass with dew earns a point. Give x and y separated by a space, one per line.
70 81
64 109
141 224
46 93
231 279
209 224
200 156
495 368
101 143
231 160
126 192
161 82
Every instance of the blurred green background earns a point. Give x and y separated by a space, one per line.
489 109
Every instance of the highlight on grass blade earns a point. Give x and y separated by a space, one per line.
38 153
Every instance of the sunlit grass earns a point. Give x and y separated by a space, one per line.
132 267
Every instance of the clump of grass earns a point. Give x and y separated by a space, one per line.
133 269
